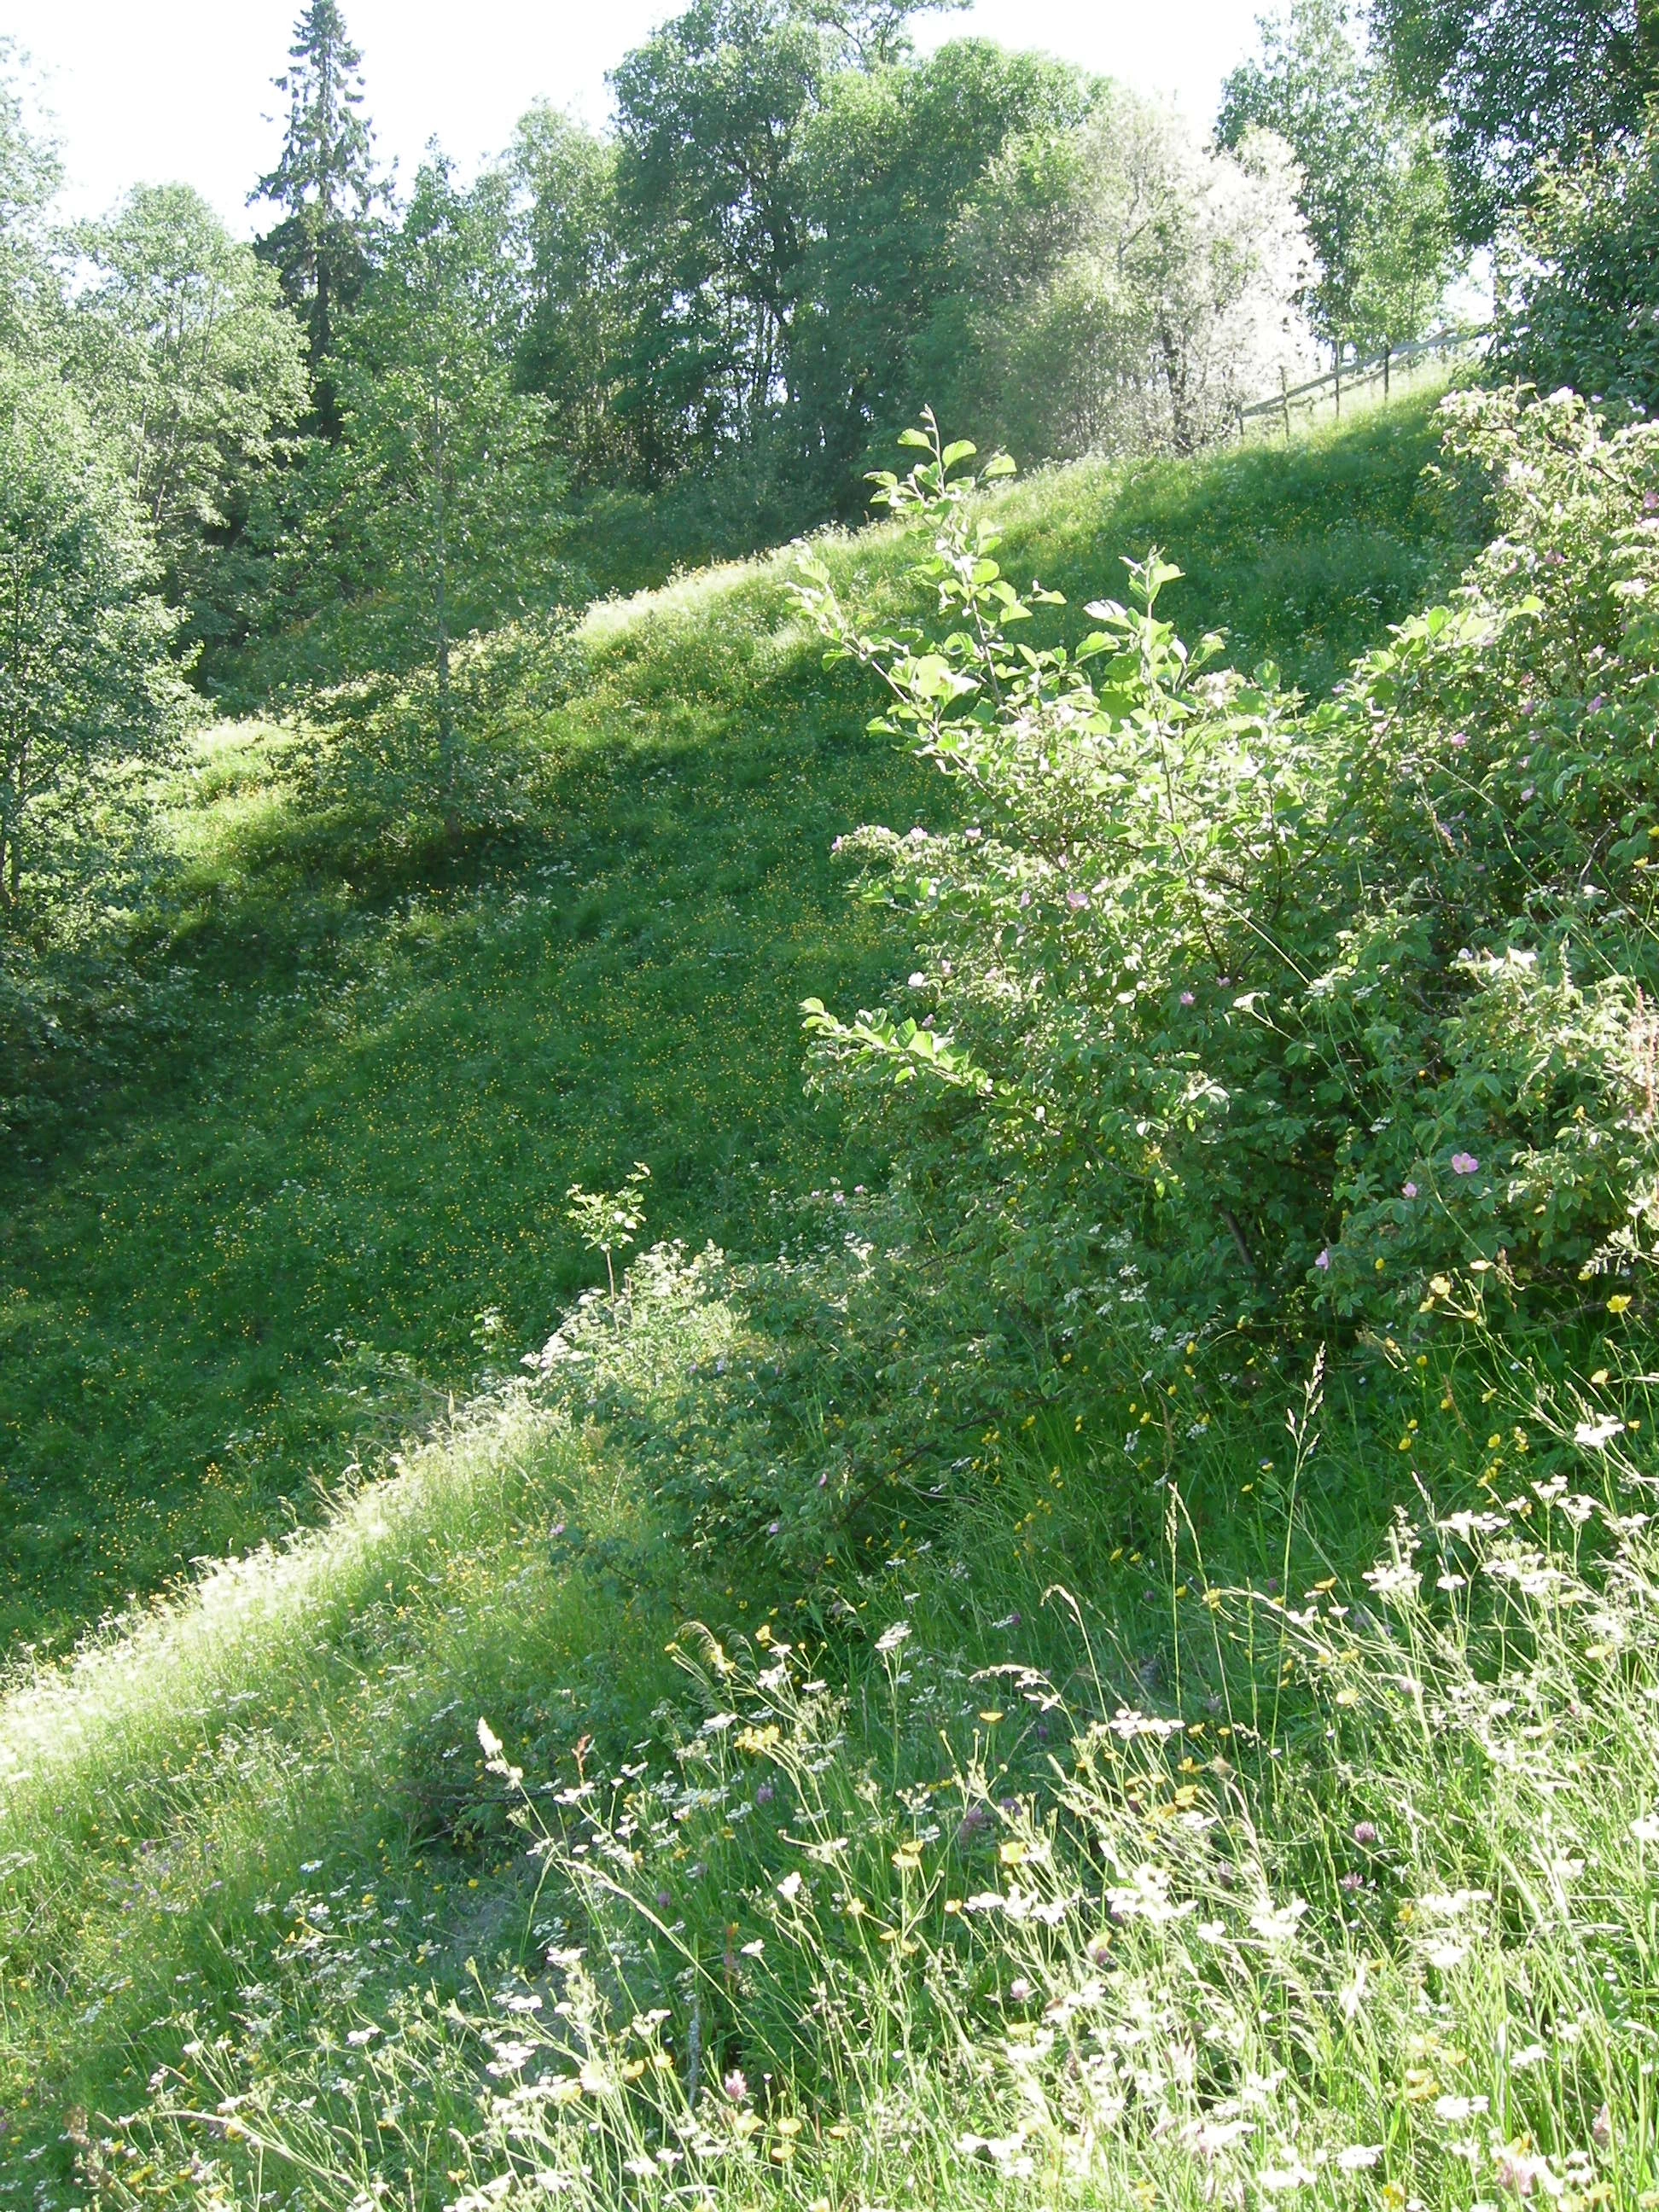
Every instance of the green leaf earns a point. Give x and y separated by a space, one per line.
962 450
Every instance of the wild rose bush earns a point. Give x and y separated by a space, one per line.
1283 1007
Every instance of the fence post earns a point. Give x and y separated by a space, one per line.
1388 349
1339 376
1284 400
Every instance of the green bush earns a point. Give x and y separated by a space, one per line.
1270 1008
1582 303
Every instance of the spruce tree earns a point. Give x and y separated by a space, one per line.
322 248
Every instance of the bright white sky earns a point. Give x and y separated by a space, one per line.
156 91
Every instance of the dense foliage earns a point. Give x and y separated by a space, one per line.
338 1094
1582 302
1160 1480
1519 84
85 682
1283 1007
1372 187
180 342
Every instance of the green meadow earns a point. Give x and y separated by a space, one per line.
1230 1782
264 1252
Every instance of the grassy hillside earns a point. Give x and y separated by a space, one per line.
272 1248
1378 1871
1239 1785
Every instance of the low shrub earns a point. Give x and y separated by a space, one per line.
1286 1007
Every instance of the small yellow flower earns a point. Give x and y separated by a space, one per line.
1618 1303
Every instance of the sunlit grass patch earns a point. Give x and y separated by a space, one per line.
1353 1908
268 1244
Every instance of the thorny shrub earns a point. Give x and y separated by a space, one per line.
1289 1004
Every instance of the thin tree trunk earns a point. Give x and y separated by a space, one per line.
441 582
11 832
1174 376
14 782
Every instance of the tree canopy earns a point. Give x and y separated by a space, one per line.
439 508
196 367
1519 84
1372 188
85 681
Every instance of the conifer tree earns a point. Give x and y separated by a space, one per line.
323 246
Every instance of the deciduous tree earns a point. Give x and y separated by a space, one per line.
1372 188
29 177
86 682
439 510
708 119
1520 84
196 366
1581 304
575 309
1136 284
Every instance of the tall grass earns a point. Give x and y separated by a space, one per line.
1340 1893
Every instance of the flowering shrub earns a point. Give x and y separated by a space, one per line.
1292 1004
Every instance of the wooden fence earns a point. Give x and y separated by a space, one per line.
1354 377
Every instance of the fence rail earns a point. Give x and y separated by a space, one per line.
1356 376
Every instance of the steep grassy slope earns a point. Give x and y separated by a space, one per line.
274 1248
1217 1873
266 1922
